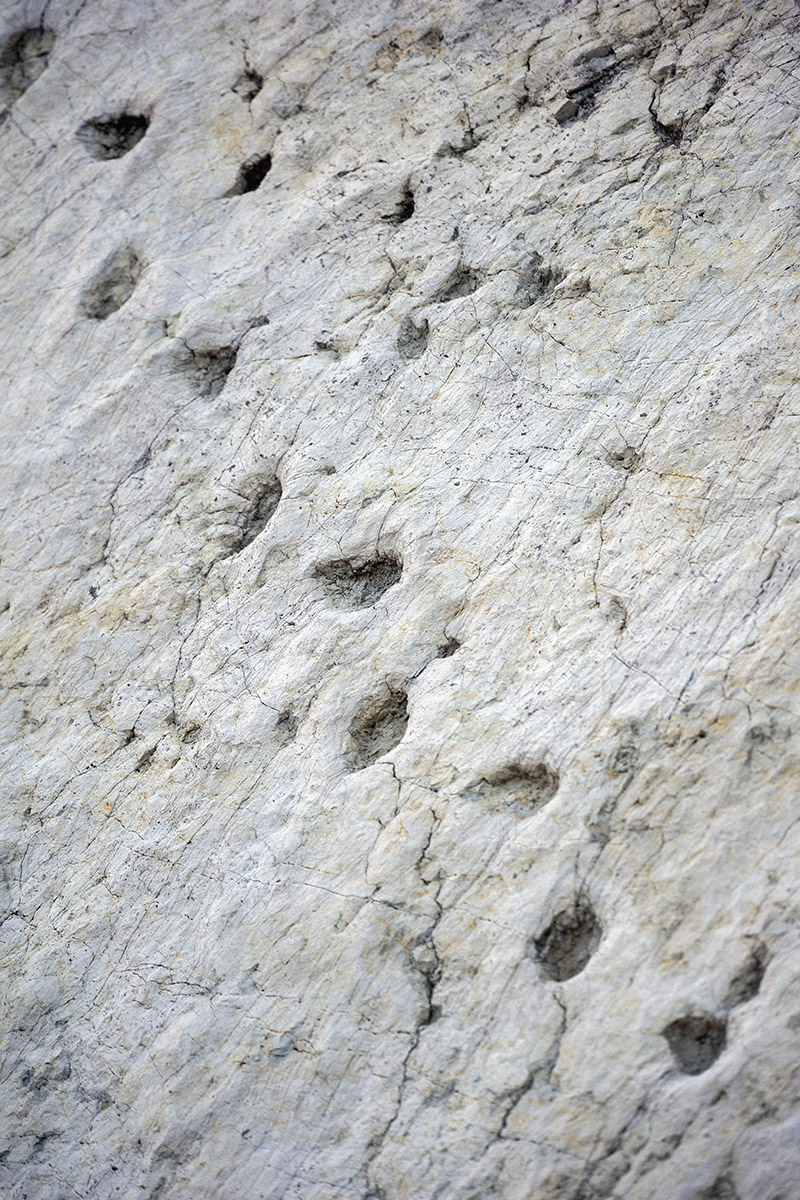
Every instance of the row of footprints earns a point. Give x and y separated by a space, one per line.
566 945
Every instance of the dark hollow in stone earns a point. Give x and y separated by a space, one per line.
583 99
285 727
354 584
113 285
463 281
24 58
468 142
668 135
255 519
696 1042
378 731
431 39
248 85
536 281
211 368
112 137
625 758
251 175
569 941
146 760
404 209
746 983
449 648
263 511
412 340
721 1189
628 460
520 790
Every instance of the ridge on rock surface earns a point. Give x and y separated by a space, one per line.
399 593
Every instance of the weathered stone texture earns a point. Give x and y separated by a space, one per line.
400 588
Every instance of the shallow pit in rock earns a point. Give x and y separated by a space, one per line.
462 281
251 175
24 58
412 339
254 520
517 789
746 983
568 942
358 583
377 730
696 1041
536 281
404 208
112 137
210 369
113 285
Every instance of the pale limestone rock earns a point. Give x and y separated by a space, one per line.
324 878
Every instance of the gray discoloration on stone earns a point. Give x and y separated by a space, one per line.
113 285
113 136
23 58
358 583
568 942
520 789
377 729
696 1042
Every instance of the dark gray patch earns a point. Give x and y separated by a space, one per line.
583 99
746 983
112 137
536 281
520 790
210 369
721 1189
404 208
629 460
448 648
146 760
412 339
358 584
255 519
696 1042
462 281
113 285
377 730
569 941
251 175
248 85
24 58
285 727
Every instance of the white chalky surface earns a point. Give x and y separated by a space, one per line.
478 411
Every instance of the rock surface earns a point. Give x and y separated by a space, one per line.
400 596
